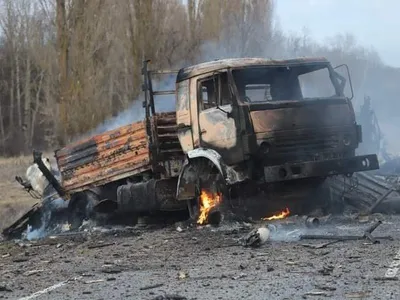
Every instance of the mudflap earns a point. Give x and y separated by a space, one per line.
32 217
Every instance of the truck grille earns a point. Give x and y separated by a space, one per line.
307 144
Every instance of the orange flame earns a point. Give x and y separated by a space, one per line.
207 202
281 215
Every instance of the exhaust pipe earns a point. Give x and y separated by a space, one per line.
312 222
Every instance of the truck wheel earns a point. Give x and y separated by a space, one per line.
210 180
328 200
81 208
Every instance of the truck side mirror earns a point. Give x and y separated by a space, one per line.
342 72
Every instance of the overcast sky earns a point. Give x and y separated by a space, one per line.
374 23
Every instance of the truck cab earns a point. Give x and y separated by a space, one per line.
269 121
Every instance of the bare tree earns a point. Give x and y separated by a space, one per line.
66 66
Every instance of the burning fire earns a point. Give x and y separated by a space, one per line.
207 202
281 215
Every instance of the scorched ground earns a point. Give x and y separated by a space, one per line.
205 263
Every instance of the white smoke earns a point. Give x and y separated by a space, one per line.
136 111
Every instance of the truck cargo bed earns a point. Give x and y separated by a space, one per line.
118 153
103 158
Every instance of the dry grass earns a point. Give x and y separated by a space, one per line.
14 201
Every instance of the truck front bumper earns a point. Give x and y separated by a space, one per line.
324 168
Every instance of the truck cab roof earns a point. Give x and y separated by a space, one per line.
216 65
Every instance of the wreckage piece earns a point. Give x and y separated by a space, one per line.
367 192
379 201
256 237
16 228
341 237
367 235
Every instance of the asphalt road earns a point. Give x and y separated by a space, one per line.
206 263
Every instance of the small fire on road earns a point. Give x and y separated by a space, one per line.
207 202
279 216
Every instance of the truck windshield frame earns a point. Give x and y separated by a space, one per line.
266 84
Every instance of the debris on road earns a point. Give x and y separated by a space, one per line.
33 272
241 275
94 281
320 246
316 293
386 278
325 287
182 275
111 269
367 235
312 222
4 288
100 245
326 270
170 297
20 259
357 295
256 237
379 201
153 286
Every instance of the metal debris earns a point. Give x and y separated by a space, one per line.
182 275
241 275
386 278
170 297
316 293
4 288
100 245
112 269
312 222
94 281
367 235
320 246
256 237
33 272
153 286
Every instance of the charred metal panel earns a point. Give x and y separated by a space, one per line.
104 158
308 169
183 117
167 136
194 111
363 189
169 151
306 116
216 129
306 144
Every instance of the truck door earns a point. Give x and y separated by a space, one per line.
218 118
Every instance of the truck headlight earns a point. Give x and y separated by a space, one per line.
264 148
346 140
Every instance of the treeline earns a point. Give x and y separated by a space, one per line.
68 65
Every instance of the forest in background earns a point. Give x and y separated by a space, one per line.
67 66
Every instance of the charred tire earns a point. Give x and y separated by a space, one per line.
209 178
81 208
328 200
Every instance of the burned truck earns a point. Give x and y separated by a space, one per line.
241 127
